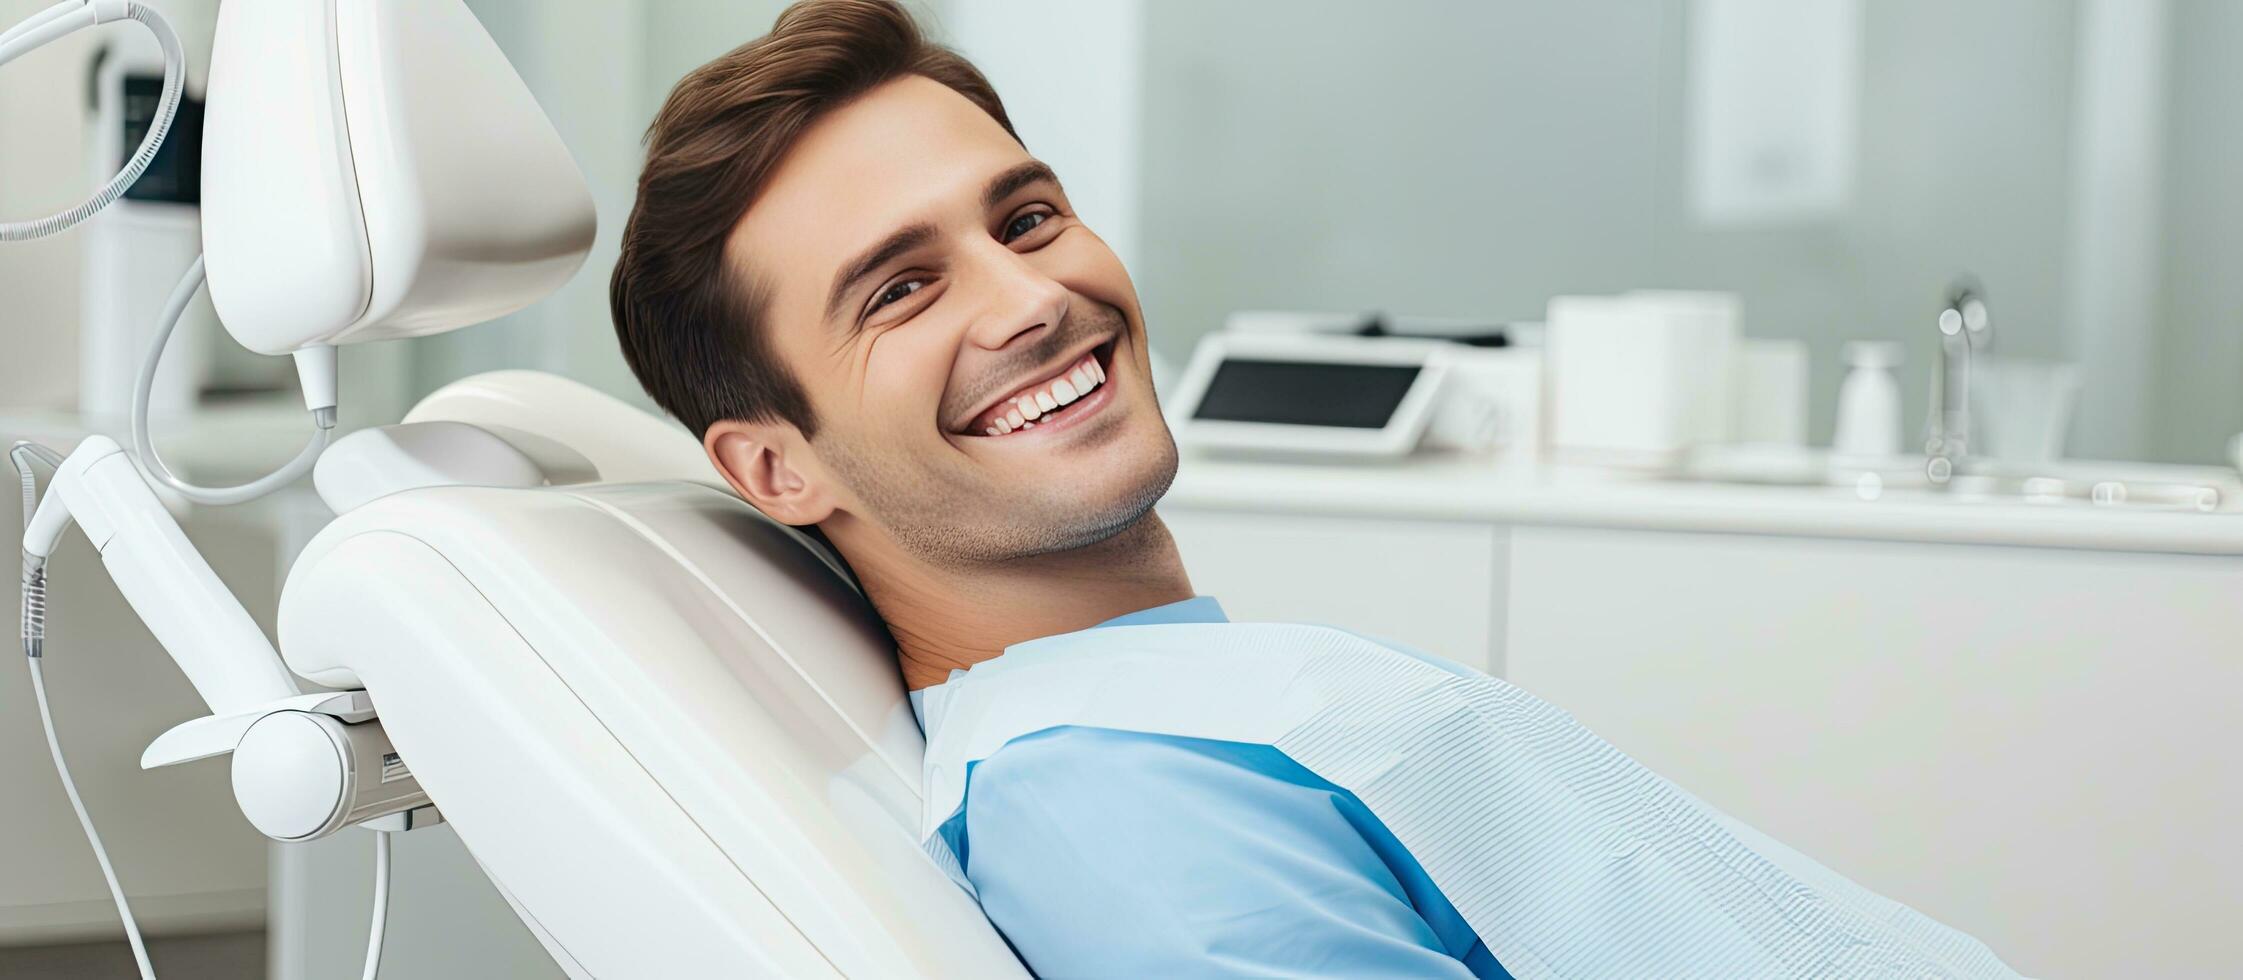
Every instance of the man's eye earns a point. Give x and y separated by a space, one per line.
896 292
1024 224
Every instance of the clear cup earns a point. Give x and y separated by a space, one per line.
2026 406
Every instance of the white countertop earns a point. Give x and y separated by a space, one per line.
1480 490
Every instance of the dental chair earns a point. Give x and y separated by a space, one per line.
670 730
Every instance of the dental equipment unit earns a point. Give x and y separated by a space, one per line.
1291 390
535 608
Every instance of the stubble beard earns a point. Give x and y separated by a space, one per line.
926 513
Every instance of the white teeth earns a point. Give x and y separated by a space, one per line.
1065 390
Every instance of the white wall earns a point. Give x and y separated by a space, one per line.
2117 201
1472 159
1069 75
2200 341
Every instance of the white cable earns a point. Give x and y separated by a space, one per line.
41 19
323 419
381 903
116 891
43 27
61 19
34 606
21 455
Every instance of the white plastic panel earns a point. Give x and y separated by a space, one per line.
371 463
282 236
377 170
671 734
573 432
474 208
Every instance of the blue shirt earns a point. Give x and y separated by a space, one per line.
1099 853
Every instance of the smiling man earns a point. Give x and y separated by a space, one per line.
885 320
881 314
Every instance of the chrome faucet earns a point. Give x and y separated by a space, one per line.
1965 330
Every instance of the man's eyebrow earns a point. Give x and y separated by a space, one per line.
865 264
1003 185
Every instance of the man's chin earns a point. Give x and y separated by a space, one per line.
1023 509
1084 520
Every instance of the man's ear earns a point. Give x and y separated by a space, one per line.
769 465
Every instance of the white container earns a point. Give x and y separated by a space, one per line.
1637 380
1869 424
1710 328
2026 408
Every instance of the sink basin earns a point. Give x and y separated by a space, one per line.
2131 486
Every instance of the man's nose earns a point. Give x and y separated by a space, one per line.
1020 299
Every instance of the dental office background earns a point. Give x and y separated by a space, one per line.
1837 165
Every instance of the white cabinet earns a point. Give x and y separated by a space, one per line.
2038 746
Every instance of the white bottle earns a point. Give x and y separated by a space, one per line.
1869 403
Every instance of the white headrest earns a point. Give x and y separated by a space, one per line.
375 170
572 433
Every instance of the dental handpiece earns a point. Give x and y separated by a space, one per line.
159 572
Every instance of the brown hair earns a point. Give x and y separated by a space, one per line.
690 328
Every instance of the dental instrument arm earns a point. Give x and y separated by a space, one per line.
192 614
227 659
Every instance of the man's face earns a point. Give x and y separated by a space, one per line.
974 354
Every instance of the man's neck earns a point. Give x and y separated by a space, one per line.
951 618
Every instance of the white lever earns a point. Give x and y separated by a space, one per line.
201 738
306 766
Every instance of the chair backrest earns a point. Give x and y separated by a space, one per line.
669 730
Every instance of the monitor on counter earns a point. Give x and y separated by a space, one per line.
1303 393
